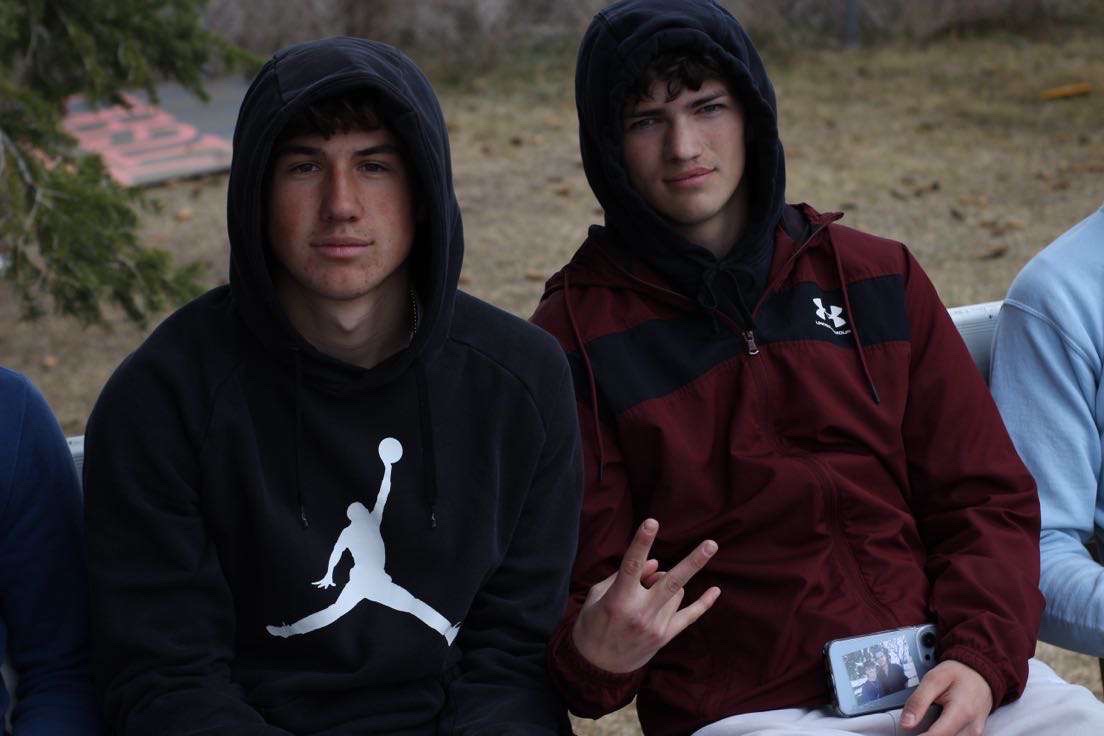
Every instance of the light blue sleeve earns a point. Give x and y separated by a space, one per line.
1045 378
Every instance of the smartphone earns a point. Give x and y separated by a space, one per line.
877 672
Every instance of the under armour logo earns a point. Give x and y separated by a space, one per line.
832 313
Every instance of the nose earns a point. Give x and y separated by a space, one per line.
683 140
340 201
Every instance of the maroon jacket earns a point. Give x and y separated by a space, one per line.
845 455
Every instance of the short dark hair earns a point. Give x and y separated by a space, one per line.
333 115
680 70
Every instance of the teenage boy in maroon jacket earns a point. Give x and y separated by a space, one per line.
783 398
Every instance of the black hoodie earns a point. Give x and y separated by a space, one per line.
621 42
229 464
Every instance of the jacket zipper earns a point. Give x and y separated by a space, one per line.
749 340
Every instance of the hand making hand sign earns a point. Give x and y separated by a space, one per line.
632 614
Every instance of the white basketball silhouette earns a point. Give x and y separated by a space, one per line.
390 450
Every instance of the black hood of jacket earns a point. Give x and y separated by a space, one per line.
618 46
291 80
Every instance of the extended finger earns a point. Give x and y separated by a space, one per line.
932 685
636 556
680 574
599 589
693 612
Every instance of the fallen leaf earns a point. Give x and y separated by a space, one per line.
957 214
564 191
534 276
997 251
517 140
1076 89
183 214
977 200
49 361
926 189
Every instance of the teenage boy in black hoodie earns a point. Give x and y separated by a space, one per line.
338 495
778 411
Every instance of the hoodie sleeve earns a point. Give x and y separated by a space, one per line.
162 610
975 503
502 687
43 587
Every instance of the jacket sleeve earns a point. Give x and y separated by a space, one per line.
1045 380
606 527
162 610
502 686
975 503
43 585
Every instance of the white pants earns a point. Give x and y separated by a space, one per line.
1048 706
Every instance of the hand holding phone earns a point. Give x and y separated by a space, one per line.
963 694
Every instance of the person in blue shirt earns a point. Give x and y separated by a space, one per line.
1047 377
43 579
871 689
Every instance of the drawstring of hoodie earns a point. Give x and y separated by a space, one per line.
425 419
707 295
429 458
299 437
854 325
589 371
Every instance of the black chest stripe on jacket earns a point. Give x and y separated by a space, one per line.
658 357
806 312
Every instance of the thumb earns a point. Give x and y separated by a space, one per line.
932 685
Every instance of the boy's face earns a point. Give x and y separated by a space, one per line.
341 215
686 157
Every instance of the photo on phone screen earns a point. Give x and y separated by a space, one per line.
879 671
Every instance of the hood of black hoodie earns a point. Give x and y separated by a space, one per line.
619 44
291 80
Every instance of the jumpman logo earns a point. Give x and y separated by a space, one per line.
368 580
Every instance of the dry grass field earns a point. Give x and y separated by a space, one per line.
946 146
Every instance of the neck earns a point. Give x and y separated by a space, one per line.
719 235
362 332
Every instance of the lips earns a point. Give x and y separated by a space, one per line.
340 247
689 177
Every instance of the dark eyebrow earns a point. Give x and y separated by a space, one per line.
292 149
289 149
708 98
638 113
383 148
654 111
